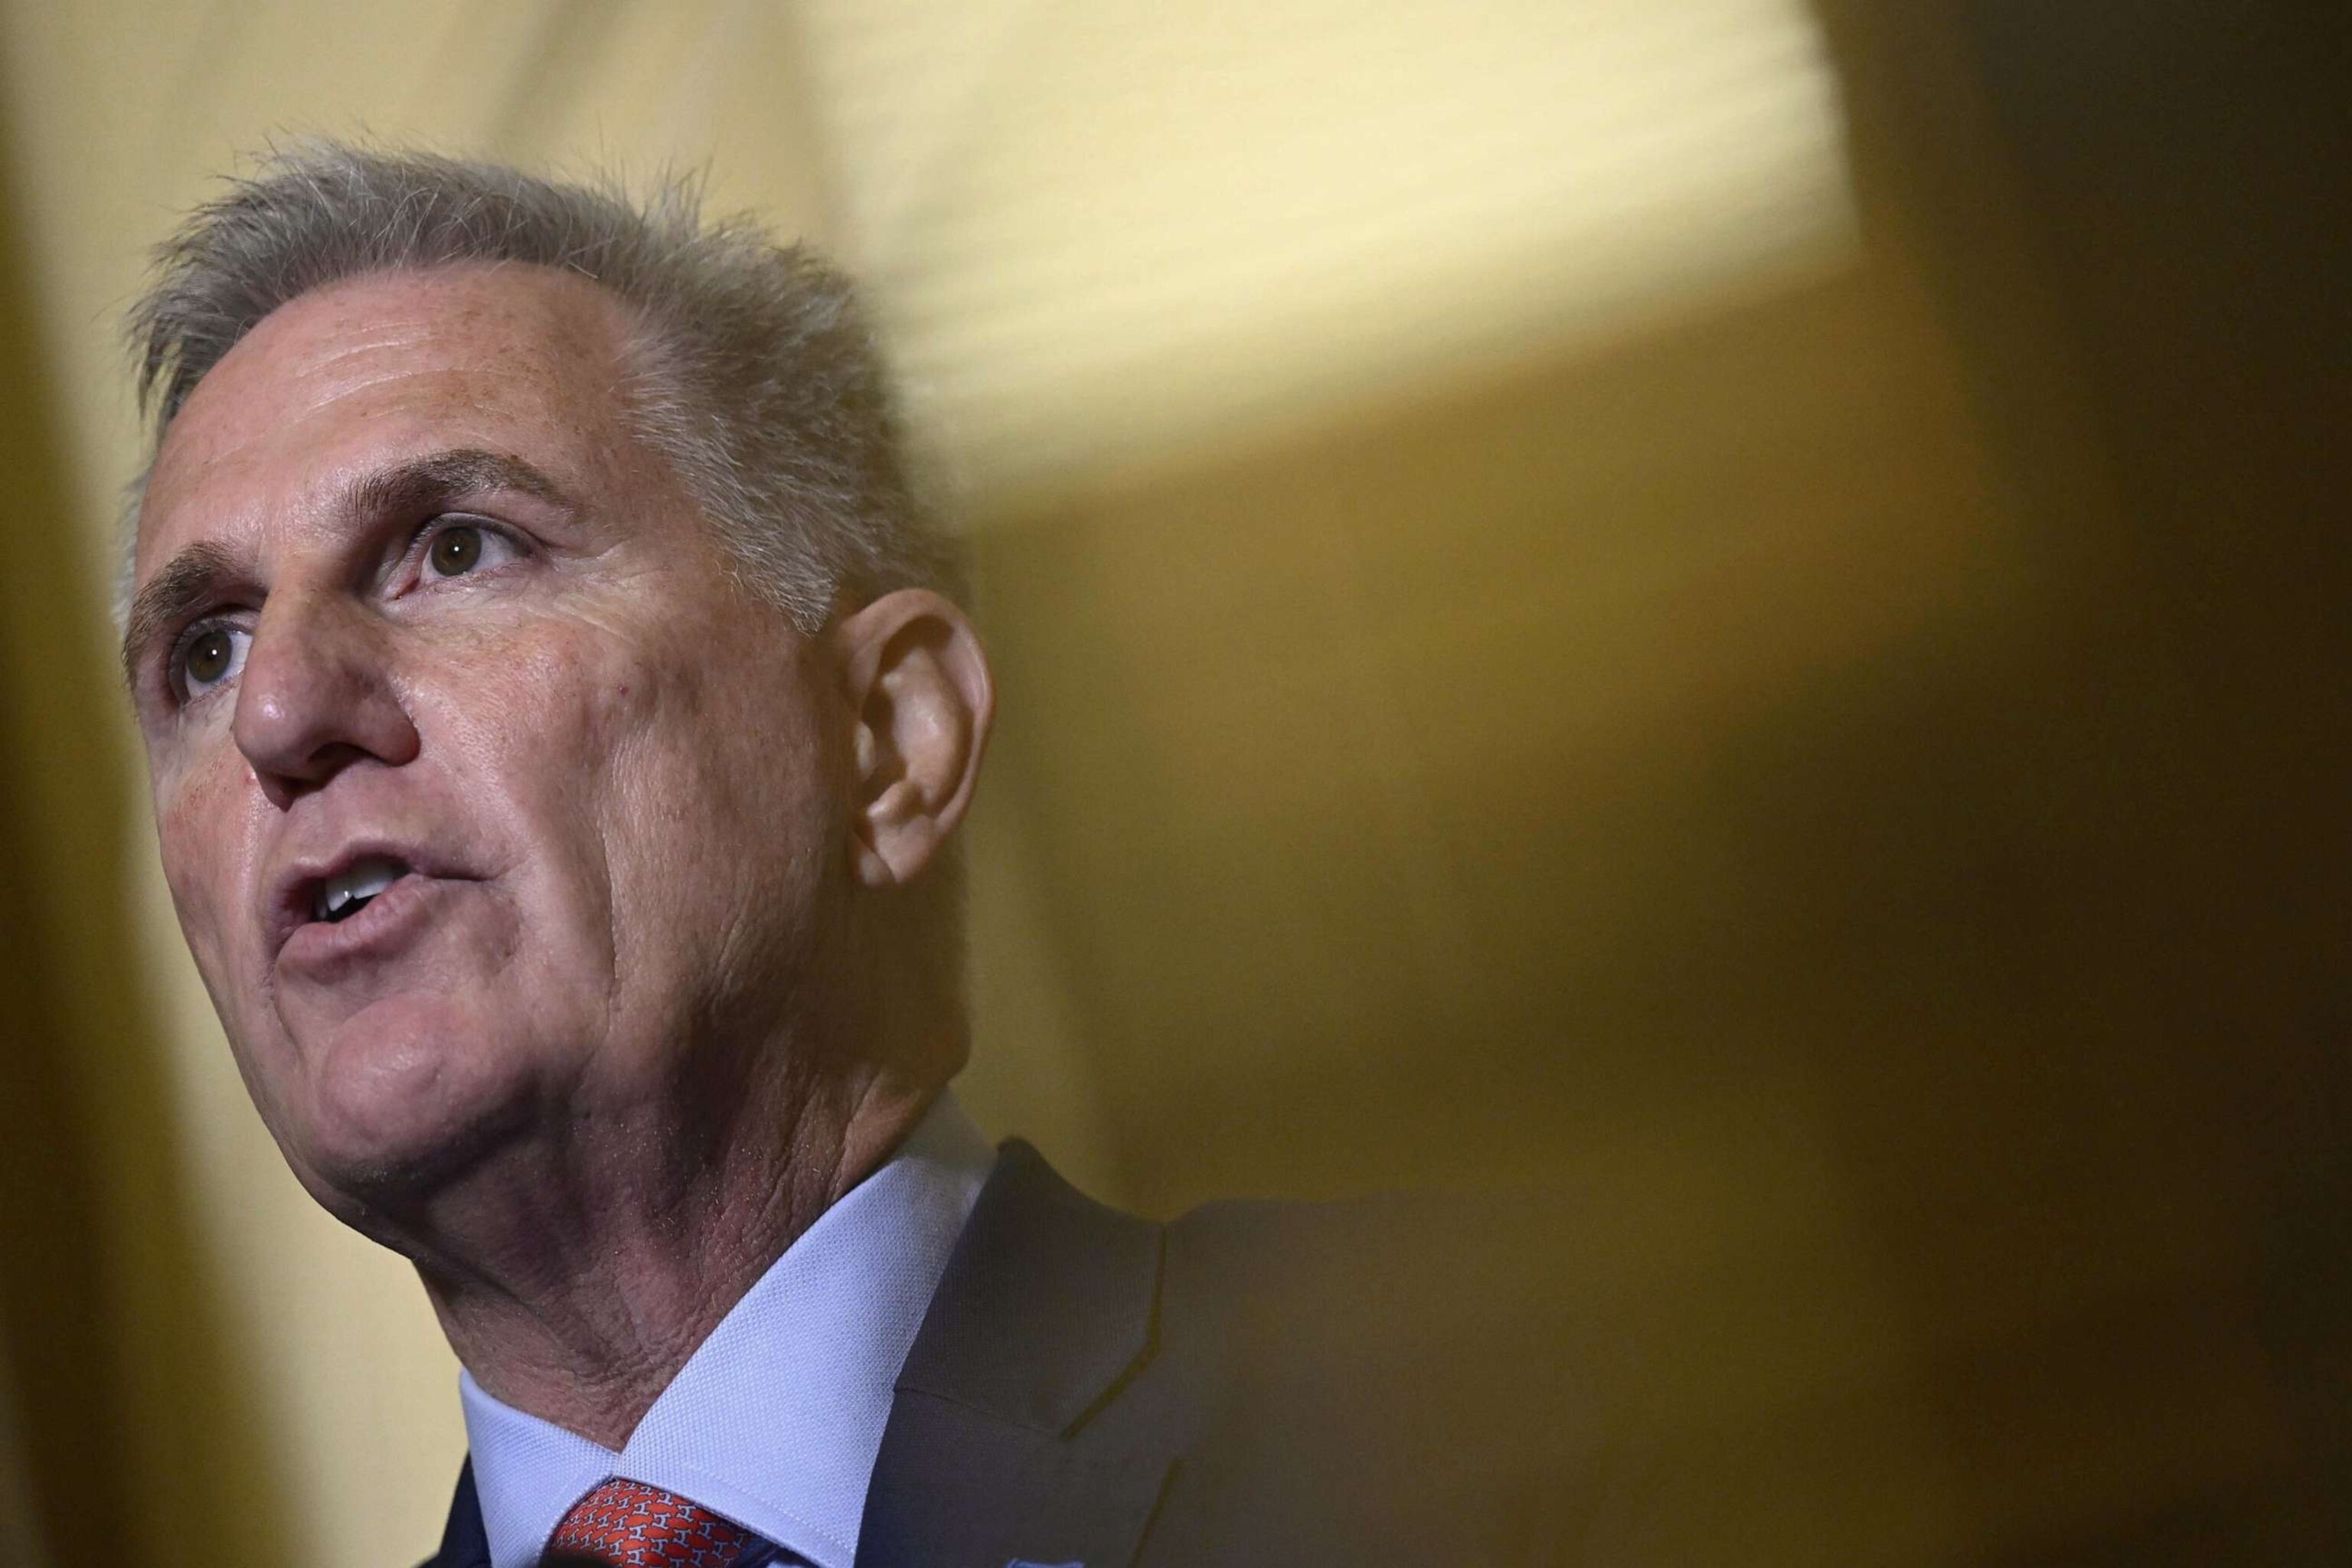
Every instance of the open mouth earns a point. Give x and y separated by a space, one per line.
338 898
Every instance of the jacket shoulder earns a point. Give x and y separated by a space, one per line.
1373 1379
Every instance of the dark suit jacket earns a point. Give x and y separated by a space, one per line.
1366 1382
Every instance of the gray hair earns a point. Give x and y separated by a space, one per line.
750 368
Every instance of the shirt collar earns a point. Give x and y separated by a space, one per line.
776 1420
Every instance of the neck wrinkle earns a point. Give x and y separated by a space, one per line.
590 1343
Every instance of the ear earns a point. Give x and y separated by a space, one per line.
922 699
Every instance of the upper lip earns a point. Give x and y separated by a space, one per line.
293 894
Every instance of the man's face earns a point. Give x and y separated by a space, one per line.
490 807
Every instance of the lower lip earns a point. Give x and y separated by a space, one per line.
388 923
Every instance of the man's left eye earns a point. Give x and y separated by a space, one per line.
463 547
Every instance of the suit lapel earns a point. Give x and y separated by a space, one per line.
464 1543
1046 1309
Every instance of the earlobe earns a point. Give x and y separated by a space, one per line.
919 685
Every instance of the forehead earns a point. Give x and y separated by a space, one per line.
519 359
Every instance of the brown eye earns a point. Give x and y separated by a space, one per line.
456 550
211 656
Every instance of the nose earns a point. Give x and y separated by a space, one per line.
316 696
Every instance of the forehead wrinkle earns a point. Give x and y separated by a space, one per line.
348 338
294 393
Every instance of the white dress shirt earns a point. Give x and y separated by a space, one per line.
776 1421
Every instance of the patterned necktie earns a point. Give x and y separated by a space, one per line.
629 1524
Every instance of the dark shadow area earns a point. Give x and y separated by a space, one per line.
134 1416
56 1344
1846 787
2172 197
1498 794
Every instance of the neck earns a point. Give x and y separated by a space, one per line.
576 1281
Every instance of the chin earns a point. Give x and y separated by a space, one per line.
402 1099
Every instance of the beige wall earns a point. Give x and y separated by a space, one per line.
1672 648
120 114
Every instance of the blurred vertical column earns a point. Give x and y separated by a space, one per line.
102 1311
20 1536
2176 218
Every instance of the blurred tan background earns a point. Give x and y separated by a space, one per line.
1735 609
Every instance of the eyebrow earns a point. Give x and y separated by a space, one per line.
186 581
417 484
440 477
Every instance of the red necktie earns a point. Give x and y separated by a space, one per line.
632 1525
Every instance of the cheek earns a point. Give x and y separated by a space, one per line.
668 795
718 814
524 712
544 740
204 831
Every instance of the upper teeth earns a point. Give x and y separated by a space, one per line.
363 878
